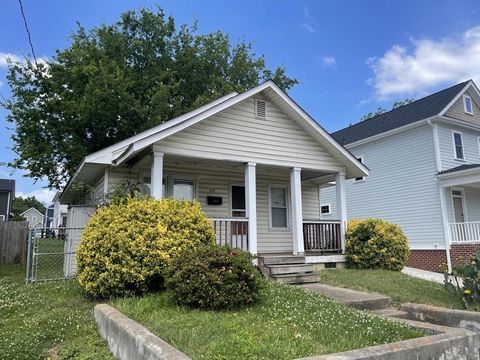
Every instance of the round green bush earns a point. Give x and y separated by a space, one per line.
213 277
376 244
125 248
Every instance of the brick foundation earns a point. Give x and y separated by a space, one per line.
462 253
431 260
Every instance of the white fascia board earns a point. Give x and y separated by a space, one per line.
391 132
317 128
454 100
465 177
457 122
110 149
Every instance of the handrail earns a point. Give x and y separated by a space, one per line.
230 218
322 221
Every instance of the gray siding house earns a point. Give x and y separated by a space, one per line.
424 161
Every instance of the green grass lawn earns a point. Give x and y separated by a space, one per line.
287 323
46 320
400 287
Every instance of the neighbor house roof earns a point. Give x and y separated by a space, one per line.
415 111
32 208
459 168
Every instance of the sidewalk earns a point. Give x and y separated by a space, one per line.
424 274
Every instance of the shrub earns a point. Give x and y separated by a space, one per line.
125 248
375 243
215 277
469 288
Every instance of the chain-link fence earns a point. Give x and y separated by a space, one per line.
51 253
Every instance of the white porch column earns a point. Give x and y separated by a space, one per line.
157 175
251 206
106 181
341 206
297 216
446 230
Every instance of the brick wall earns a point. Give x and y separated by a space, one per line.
459 253
431 260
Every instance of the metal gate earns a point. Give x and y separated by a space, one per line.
51 253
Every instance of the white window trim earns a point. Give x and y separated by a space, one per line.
361 158
329 209
465 104
173 177
255 109
478 144
2 217
464 203
455 147
230 199
287 204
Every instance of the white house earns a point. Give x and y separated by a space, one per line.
255 161
424 159
34 217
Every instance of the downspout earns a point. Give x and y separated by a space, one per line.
441 190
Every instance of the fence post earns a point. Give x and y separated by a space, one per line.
27 272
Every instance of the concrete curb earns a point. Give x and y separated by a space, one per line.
445 344
128 340
449 317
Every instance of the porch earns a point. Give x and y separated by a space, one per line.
256 207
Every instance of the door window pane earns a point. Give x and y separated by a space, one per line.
238 198
183 189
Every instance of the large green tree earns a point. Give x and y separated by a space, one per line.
21 204
114 81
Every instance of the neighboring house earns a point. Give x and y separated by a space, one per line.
254 161
59 216
424 159
7 193
34 217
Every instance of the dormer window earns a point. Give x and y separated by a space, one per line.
260 109
467 104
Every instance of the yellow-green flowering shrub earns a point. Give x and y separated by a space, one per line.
125 248
376 244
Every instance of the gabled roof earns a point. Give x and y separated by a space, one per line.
32 208
126 149
424 108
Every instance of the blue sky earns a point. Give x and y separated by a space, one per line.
349 56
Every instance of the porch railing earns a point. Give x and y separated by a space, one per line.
322 236
465 232
232 231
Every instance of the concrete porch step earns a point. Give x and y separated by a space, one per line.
280 260
290 269
307 278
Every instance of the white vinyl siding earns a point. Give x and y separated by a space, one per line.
236 134
401 188
216 180
470 147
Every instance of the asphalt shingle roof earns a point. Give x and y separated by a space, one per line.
415 111
459 168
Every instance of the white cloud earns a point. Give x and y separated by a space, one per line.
428 64
6 57
328 61
309 23
43 195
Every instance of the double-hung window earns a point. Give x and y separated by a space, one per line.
278 207
458 145
183 189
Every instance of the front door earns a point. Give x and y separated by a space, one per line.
458 206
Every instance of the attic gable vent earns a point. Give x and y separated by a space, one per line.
261 109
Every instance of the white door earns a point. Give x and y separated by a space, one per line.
238 230
458 206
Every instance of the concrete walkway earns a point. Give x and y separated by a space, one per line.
353 298
424 274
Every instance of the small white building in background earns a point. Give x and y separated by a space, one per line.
34 217
59 212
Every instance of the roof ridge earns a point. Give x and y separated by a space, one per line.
400 107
